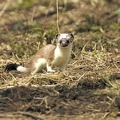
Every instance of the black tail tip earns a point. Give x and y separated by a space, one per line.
11 66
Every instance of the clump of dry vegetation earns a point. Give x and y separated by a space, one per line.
89 89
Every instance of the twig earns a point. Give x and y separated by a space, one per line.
32 16
33 116
5 8
6 116
47 12
57 4
75 84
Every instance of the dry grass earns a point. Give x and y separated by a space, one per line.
90 86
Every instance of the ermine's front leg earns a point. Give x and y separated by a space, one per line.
63 67
49 68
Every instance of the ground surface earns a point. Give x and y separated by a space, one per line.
89 89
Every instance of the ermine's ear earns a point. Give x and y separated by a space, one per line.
71 35
57 35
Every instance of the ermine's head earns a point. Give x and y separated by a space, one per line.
64 40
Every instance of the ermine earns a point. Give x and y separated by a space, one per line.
49 56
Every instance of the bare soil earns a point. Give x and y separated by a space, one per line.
89 89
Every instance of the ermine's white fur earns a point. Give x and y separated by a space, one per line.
63 35
39 65
62 56
22 69
50 56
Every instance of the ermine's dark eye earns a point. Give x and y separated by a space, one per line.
60 41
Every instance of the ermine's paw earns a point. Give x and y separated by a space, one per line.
63 69
51 71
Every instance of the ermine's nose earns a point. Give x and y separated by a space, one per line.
64 42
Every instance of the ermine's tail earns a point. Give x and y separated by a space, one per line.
14 66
